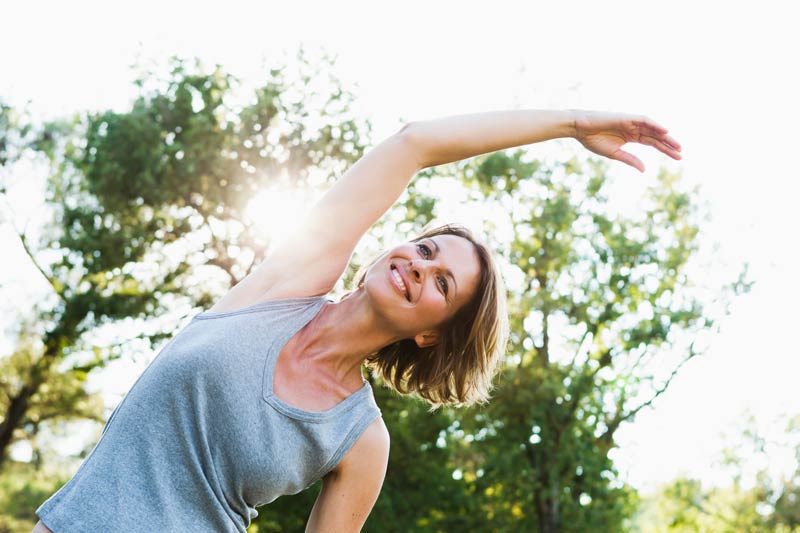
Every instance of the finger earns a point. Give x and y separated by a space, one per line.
628 159
651 124
662 146
672 142
662 135
667 149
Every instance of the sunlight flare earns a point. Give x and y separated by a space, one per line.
276 210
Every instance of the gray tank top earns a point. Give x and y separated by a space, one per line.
200 440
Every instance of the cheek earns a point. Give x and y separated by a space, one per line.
434 301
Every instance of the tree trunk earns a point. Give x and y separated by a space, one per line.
17 408
19 403
548 514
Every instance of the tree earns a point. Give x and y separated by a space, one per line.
603 322
150 214
142 201
604 307
133 192
755 500
26 401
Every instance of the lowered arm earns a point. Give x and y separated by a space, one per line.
351 489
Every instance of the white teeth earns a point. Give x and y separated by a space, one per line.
399 281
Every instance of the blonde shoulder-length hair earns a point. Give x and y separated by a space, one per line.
459 369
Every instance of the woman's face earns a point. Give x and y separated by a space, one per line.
418 286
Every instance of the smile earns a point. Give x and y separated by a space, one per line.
398 282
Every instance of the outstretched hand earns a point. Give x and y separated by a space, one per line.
605 133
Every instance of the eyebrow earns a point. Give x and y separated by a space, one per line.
446 270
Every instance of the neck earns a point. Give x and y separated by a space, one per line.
342 336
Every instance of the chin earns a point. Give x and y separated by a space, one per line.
384 298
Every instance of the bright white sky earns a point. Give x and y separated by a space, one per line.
720 76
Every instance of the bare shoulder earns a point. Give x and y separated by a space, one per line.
370 450
307 264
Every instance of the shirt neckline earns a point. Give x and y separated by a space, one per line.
259 306
272 358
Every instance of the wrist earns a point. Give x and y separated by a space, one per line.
571 119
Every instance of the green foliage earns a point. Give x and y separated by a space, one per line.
141 202
765 503
287 513
612 291
22 489
15 132
602 298
420 492
150 214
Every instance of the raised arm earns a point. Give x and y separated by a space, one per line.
312 260
376 181
449 139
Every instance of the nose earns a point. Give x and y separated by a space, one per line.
418 269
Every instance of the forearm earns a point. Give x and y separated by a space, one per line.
454 138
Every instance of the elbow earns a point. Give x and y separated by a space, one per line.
404 130
408 136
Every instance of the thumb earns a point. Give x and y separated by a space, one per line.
628 159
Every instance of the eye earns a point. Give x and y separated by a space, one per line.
443 285
426 253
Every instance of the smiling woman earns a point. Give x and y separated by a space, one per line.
451 279
263 394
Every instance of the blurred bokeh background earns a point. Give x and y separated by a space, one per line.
151 153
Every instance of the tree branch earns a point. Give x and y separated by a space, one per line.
578 351
225 264
640 358
622 417
663 387
29 253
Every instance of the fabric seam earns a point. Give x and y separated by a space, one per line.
224 505
347 443
311 416
255 308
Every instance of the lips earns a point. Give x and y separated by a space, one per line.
400 284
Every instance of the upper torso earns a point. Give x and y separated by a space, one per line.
295 380
203 427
